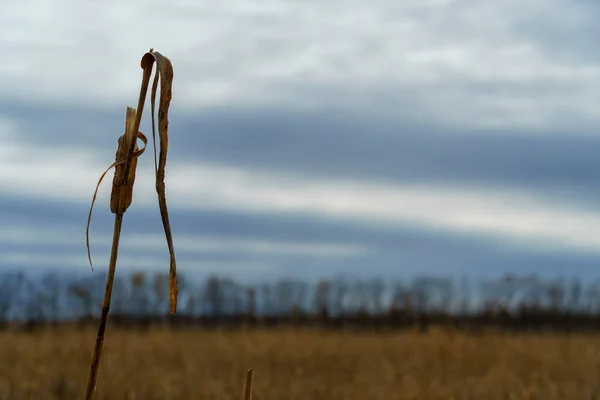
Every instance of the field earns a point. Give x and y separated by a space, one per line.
194 364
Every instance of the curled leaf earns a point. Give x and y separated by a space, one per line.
119 161
164 72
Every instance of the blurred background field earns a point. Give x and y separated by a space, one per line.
426 338
301 364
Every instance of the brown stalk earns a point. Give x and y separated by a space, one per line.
247 392
122 189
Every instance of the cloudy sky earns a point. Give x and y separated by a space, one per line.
310 138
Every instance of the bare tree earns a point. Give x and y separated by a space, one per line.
283 296
465 295
213 295
592 298
190 306
575 293
556 295
120 295
83 293
51 287
10 287
250 302
421 295
289 296
139 294
339 290
266 299
374 295
34 302
321 298
83 296
161 290
358 297
398 301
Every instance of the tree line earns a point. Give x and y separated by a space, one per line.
510 303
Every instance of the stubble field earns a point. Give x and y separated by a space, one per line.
194 364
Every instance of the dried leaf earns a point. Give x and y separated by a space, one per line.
165 74
121 195
115 164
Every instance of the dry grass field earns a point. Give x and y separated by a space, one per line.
301 365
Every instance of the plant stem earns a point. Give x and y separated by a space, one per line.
247 393
97 353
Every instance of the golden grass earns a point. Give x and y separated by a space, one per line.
302 365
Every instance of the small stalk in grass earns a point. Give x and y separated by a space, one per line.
122 189
247 392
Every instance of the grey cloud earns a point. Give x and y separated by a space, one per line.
563 32
332 145
397 252
424 59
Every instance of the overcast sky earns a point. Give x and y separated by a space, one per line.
309 138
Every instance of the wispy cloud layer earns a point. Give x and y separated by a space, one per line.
325 134
468 64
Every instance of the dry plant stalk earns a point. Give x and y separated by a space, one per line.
122 189
247 393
